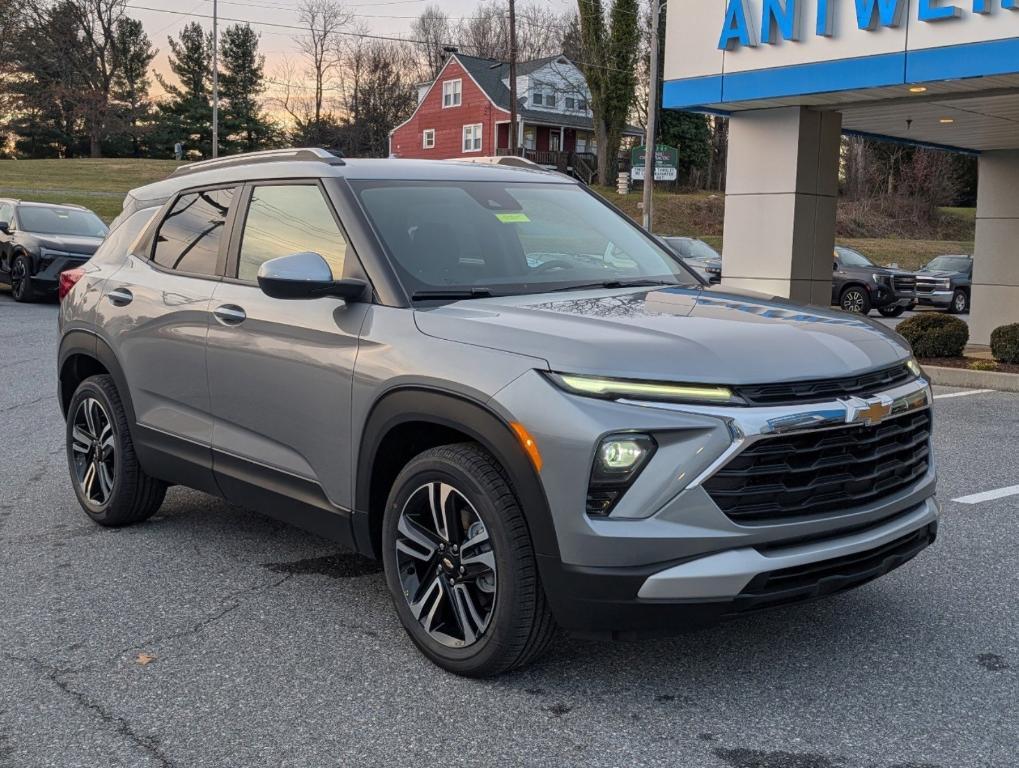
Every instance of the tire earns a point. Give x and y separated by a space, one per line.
960 303
891 311
503 607
99 447
21 279
855 299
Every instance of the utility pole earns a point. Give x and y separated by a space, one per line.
652 114
513 77
215 80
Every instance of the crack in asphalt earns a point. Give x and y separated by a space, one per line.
40 399
57 675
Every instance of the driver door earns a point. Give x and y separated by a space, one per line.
280 371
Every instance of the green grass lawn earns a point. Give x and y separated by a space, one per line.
96 184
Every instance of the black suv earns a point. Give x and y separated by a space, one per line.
858 285
38 241
945 283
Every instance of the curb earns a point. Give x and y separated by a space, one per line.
963 377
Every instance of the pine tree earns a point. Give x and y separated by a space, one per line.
186 116
133 54
242 81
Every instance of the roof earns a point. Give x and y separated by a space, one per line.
489 74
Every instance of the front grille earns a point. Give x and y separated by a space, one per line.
930 284
806 582
904 284
814 474
790 393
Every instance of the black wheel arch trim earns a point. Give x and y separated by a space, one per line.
471 417
83 342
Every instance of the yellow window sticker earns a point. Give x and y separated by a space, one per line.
512 218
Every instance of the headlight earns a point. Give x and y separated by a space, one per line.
945 284
49 253
617 463
611 389
914 368
881 278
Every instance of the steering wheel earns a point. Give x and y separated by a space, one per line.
554 264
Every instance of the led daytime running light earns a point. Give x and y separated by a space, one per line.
590 385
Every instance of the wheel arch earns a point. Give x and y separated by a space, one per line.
83 354
404 422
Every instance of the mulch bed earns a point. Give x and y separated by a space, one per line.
963 362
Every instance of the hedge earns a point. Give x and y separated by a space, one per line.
935 335
1005 343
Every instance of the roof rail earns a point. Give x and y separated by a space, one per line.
267 156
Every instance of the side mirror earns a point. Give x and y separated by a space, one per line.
305 276
5 227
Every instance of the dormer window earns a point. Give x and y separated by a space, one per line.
452 93
537 99
571 103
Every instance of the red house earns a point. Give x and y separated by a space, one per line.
464 112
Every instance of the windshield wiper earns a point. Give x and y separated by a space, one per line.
452 294
612 284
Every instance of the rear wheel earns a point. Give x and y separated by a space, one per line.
460 564
960 302
110 485
855 299
21 279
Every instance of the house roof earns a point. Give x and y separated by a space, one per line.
489 74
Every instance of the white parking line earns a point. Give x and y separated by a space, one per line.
963 394
1000 493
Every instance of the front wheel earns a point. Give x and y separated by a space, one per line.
21 279
960 302
895 311
855 299
460 564
110 485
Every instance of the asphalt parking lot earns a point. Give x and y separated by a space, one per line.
210 636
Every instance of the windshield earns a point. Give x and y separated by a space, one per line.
950 263
689 248
851 258
509 238
60 221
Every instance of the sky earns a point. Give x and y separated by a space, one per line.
383 17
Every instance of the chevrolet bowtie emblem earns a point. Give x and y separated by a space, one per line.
870 412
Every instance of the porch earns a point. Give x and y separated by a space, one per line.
561 148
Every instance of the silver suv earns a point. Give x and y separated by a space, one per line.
496 383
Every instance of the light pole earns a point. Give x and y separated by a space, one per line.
513 77
652 114
215 80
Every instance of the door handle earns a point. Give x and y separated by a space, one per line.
120 297
230 314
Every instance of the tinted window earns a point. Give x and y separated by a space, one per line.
60 221
947 263
693 249
123 236
851 258
289 219
510 237
189 236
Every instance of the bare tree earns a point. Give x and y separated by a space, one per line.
433 30
325 21
378 93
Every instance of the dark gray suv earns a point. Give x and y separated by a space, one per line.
496 383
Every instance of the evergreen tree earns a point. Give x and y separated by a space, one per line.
242 81
133 55
186 115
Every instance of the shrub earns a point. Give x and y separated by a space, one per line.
982 365
935 335
1005 343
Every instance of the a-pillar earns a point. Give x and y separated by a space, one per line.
995 299
781 189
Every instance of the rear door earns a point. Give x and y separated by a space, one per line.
280 372
155 311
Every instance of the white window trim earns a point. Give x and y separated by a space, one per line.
424 138
456 90
480 135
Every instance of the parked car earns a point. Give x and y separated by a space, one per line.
597 441
945 283
38 241
698 256
858 285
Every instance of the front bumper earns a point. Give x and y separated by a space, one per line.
48 273
935 298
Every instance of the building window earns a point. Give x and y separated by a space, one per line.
582 105
529 137
428 138
537 98
571 103
452 93
472 138
550 99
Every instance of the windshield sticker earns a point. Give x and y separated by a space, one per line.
513 218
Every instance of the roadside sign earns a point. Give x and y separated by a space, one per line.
666 162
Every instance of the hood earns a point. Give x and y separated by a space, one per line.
69 243
704 335
942 273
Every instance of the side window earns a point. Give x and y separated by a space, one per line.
6 212
188 238
286 219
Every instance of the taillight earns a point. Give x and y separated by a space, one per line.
67 280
